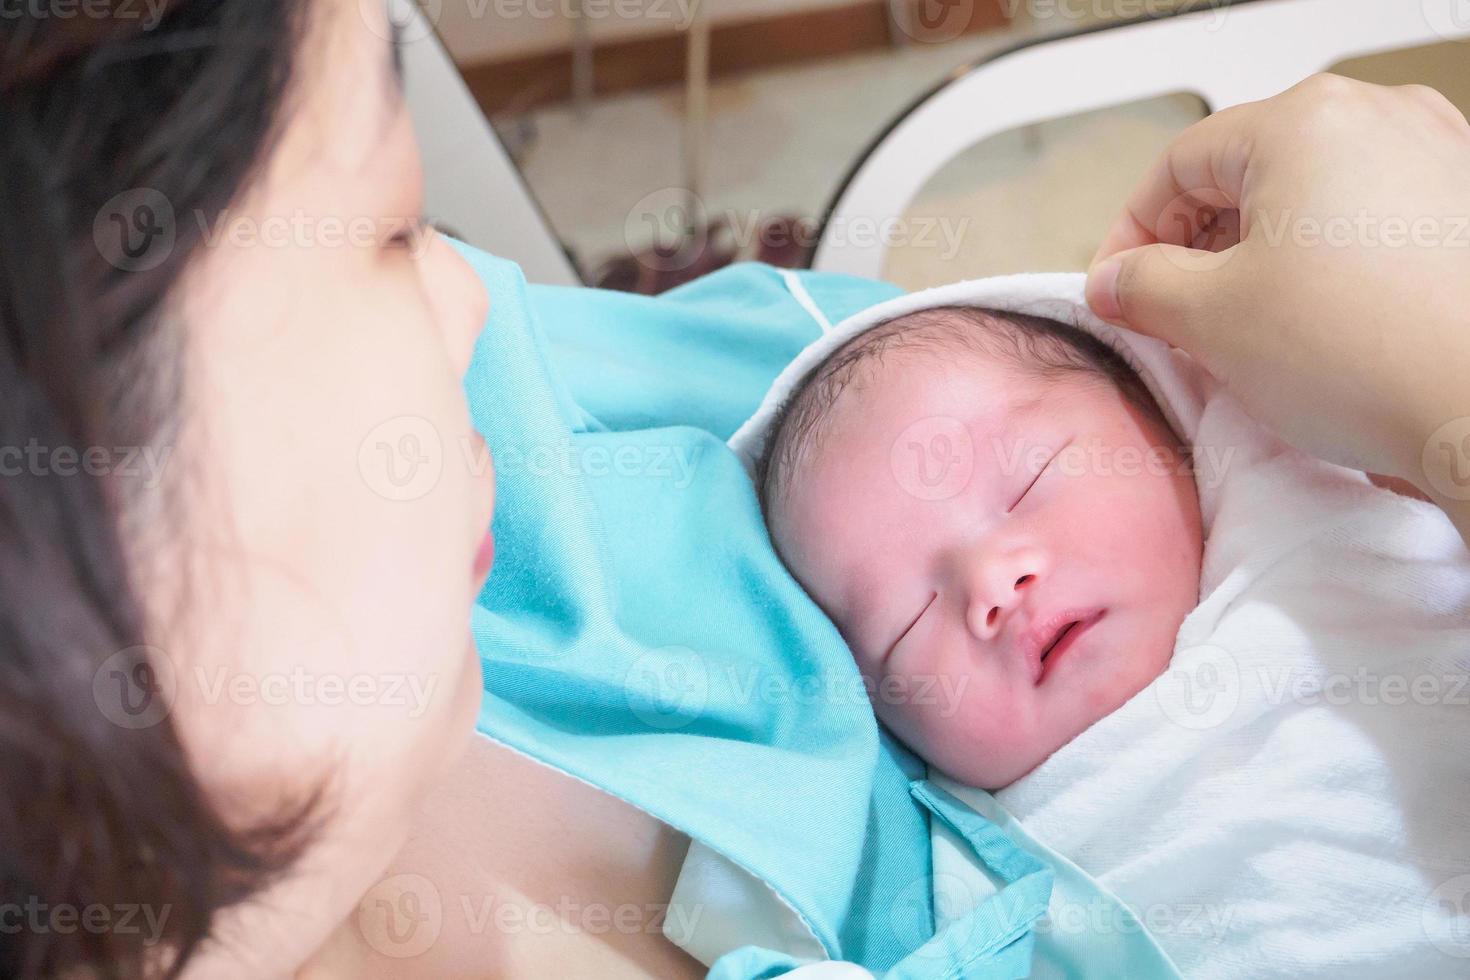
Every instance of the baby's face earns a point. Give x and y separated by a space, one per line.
995 613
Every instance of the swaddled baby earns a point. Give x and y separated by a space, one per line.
1255 743
994 500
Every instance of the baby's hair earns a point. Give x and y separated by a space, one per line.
1048 349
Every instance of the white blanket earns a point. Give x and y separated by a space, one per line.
1292 798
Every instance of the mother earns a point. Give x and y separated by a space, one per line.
241 829
251 364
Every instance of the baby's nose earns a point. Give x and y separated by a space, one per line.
987 614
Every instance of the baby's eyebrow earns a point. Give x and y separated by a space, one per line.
1026 407
1000 441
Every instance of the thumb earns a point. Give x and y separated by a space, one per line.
1165 291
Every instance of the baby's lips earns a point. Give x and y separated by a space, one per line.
1027 646
1060 628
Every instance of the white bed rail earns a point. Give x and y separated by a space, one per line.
1224 54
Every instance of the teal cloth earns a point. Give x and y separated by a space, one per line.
993 941
1089 933
638 631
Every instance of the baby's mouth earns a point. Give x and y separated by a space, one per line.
1069 629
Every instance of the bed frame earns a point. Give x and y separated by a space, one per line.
1226 53
470 181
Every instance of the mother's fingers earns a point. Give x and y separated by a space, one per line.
1165 291
1200 175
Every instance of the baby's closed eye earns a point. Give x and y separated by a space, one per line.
909 628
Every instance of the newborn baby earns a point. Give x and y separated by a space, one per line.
994 500
1244 742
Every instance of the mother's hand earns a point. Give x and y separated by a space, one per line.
1312 250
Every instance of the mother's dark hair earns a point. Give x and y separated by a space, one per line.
96 814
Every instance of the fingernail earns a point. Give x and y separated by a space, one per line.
1102 289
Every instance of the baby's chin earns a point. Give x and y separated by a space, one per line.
1024 741
996 775
987 762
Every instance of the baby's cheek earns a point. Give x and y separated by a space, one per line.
1133 524
965 720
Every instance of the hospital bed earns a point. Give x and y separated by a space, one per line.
1226 54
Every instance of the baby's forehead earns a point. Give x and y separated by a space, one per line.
918 403
947 376
893 364
937 341
908 361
